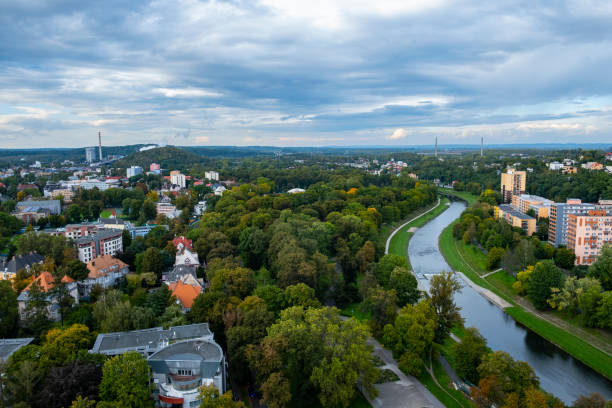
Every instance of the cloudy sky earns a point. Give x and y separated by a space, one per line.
303 73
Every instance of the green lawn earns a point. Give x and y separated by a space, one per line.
443 397
106 214
469 197
359 402
501 284
354 310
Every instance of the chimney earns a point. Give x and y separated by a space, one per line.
100 144
436 147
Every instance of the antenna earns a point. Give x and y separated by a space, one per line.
436 147
100 144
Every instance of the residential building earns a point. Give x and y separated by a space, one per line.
104 242
155 168
21 187
296 191
141 231
200 208
555 165
558 219
513 182
182 359
66 193
10 346
186 256
46 283
104 271
165 206
133 171
219 189
587 233
211 175
516 218
177 179
114 223
90 154
592 166
74 231
187 243
569 170
185 290
526 202
8 270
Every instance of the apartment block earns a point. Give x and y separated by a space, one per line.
104 242
177 179
587 234
526 202
513 182
516 218
558 219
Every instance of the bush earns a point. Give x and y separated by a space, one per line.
494 257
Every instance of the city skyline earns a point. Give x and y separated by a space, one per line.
281 73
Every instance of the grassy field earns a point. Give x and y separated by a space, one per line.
399 242
468 259
442 396
469 197
359 402
354 310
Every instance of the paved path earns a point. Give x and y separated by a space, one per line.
408 392
407 222
491 273
495 299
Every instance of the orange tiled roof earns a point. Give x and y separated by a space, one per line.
45 281
184 293
96 265
67 279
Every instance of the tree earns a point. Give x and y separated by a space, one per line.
300 295
63 345
237 282
64 383
210 398
602 268
442 291
405 285
522 281
566 298
276 391
382 305
77 270
494 256
593 400
469 353
385 266
412 335
544 277
23 382
125 381
366 255
9 314
151 261
512 376
273 296
564 258
173 316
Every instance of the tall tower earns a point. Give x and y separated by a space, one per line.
481 146
436 147
100 144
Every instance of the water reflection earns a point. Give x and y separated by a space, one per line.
559 372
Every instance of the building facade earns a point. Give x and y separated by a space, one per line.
8 270
526 202
513 182
587 233
90 154
46 283
558 219
104 242
178 179
133 171
104 271
516 218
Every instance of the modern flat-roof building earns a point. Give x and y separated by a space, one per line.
182 359
526 202
587 233
558 219
90 154
54 206
177 179
103 242
513 182
516 218
133 171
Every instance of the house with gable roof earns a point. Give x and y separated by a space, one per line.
46 282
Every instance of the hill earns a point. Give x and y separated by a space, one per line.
169 157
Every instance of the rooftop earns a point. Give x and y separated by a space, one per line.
507 208
9 346
21 261
101 234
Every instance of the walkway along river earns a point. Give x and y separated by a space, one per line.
559 373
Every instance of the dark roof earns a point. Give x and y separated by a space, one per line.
20 262
112 221
180 270
101 234
120 342
513 211
9 346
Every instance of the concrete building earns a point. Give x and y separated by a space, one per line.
211 175
54 206
587 233
74 231
155 168
555 165
178 179
200 208
90 154
165 206
104 271
516 218
182 359
558 219
10 346
526 202
133 171
219 189
104 242
513 182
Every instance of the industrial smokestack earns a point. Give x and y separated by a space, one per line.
100 144
436 147
481 146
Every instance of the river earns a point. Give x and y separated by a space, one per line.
559 373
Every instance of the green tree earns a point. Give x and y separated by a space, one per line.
564 258
9 314
405 285
237 282
300 295
125 381
602 268
211 398
494 256
442 288
151 261
385 266
566 298
276 391
77 270
382 306
468 354
512 376
593 400
545 276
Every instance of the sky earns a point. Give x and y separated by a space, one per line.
304 73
